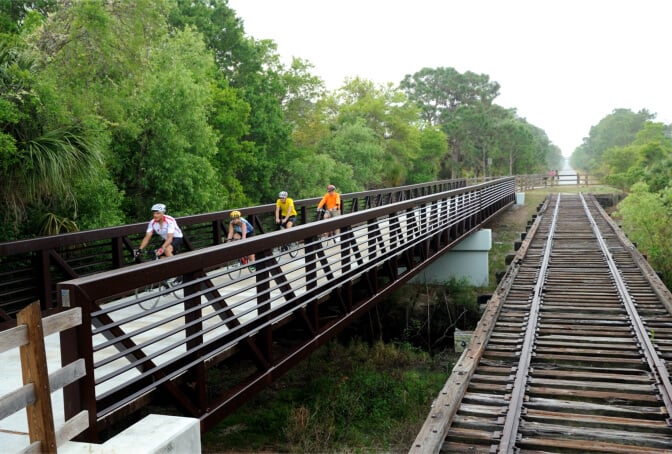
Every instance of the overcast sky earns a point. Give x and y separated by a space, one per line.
563 65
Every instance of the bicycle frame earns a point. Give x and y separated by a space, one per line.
148 303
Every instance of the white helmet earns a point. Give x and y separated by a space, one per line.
282 194
159 207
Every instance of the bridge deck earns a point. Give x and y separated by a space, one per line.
14 429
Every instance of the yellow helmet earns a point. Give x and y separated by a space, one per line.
235 214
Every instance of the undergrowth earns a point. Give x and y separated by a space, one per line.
344 398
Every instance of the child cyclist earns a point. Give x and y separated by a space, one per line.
240 228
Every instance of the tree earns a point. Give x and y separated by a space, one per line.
426 166
457 103
515 147
356 145
157 92
98 54
617 129
302 92
440 92
646 218
43 148
313 171
15 13
177 146
543 154
648 158
392 119
252 69
484 139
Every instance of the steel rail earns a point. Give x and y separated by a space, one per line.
510 430
656 364
567 365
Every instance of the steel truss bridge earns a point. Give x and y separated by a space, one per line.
258 323
245 327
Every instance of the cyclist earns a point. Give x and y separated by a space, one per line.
240 228
285 213
166 227
331 204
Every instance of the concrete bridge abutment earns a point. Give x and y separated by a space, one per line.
467 260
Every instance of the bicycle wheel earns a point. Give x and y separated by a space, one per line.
174 284
293 249
328 241
148 302
233 269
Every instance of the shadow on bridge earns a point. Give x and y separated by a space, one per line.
257 323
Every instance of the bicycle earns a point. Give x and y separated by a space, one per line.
147 302
234 267
291 248
328 239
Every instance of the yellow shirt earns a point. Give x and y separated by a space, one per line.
285 205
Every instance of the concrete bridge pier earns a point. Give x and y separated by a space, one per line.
467 260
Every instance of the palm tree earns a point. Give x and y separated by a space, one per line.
41 154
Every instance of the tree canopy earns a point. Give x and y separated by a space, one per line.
633 153
108 107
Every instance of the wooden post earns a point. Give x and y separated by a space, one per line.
34 370
77 343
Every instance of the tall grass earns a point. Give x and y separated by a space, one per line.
345 398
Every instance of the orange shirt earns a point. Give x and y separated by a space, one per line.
331 200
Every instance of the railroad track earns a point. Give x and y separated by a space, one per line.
572 352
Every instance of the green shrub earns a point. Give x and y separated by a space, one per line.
345 397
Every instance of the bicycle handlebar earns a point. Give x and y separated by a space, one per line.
139 253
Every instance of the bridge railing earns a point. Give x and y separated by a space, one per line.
30 269
563 178
38 384
216 313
